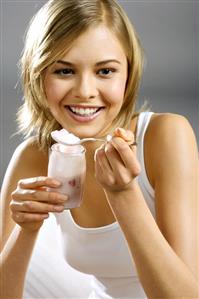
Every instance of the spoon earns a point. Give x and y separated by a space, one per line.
67 138
78 141
108 138
90 139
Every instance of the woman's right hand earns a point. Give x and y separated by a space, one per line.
31 201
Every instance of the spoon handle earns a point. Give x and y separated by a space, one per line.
91 139
130 143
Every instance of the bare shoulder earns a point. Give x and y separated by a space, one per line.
27 161
169 123
169 139
30 147
167 130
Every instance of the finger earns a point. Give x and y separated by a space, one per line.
102 159
97 151
38 182
21 217
34 207
103 168
98 171
132 144
126 135
39 195
120 171
127 156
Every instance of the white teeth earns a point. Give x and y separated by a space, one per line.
84 111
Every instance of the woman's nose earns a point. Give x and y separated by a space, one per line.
85 88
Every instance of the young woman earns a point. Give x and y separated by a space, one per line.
138 223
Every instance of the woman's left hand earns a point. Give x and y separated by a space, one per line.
116 164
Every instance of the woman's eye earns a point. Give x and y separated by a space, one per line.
106 71
64 72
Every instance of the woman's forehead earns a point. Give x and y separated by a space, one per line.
96 42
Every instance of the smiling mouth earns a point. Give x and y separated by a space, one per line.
84 111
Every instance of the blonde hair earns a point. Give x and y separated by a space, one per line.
60 22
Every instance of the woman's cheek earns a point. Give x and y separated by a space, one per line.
55 90
116 92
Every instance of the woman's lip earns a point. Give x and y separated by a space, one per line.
84 106
83 119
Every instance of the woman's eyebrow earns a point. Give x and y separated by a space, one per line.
97 64
107 61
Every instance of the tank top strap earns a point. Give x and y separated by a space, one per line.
142 124
148 191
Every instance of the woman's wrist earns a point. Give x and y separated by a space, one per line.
29 232
122 191
125 196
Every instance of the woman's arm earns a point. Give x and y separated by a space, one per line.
14 262
26 208
166 252
16 244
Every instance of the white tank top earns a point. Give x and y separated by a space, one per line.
103 252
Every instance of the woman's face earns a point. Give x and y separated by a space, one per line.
85 88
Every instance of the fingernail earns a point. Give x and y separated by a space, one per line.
45 216
63 198
122 130
58 208
56 183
